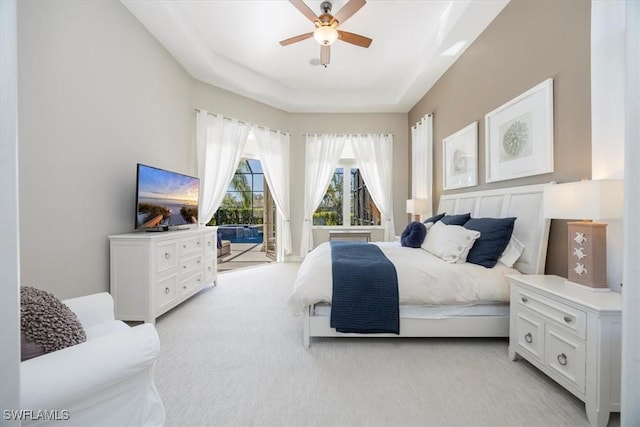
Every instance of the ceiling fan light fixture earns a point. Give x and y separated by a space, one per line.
325 35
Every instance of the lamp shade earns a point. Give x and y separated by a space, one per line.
417 206
596 200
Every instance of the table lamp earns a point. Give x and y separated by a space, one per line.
416 207
587 242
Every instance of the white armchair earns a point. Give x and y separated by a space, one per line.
105 381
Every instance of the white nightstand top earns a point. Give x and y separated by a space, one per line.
555 285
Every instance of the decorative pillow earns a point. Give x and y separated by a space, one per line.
456 219
413 235
46 323
451 243
433 219
495 234
512 252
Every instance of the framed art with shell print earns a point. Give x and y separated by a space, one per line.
460 158
519 135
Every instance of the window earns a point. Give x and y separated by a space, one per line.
244 201
347 196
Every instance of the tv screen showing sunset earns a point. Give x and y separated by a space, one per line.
165 198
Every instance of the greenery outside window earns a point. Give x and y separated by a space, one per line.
347 196
244 201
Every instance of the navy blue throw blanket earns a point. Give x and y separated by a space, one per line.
365 290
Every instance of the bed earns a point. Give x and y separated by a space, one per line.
479 305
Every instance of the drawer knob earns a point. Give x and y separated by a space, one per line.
167 255
184 287
208 243
184 246
568 319
184 267
525 299
167 290
198 261
198 243
562 359
528 338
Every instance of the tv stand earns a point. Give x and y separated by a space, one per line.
151 273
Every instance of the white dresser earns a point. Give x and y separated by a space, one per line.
153 272
571 334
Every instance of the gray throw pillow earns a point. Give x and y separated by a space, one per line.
46 323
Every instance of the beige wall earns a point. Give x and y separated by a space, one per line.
528 42
98 94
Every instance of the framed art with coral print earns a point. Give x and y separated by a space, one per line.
460 152
519 135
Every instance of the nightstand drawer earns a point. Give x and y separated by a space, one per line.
568 318
530 335
565 356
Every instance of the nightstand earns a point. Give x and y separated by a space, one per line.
572 335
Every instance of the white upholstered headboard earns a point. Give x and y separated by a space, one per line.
525 203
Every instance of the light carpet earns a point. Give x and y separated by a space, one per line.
233 356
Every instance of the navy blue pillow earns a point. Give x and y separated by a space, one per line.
495 234
434 218
456 219
413 235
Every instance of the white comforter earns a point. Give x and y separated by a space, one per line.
423 279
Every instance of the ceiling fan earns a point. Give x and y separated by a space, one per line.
326 31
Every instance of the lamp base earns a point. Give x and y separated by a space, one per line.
587 257
586 288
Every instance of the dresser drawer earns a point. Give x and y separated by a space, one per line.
210 265
568 318
530 334
191 245
190 265
167 290
210 245
166 255
191 283
565 356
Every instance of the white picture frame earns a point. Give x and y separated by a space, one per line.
519 135
460 158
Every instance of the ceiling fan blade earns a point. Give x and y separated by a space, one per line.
304 9
296 39
348 10
356 39
325 54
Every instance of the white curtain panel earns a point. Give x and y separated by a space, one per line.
322 154
422 161
273 147
374 157
220 142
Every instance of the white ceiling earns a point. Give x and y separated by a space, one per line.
233 44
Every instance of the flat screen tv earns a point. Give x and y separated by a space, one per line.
165 200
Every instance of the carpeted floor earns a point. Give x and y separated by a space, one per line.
233 356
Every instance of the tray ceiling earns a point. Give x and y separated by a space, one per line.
234 45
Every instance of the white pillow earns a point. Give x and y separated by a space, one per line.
451 243
512 252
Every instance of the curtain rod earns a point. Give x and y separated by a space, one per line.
243 122
348 134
